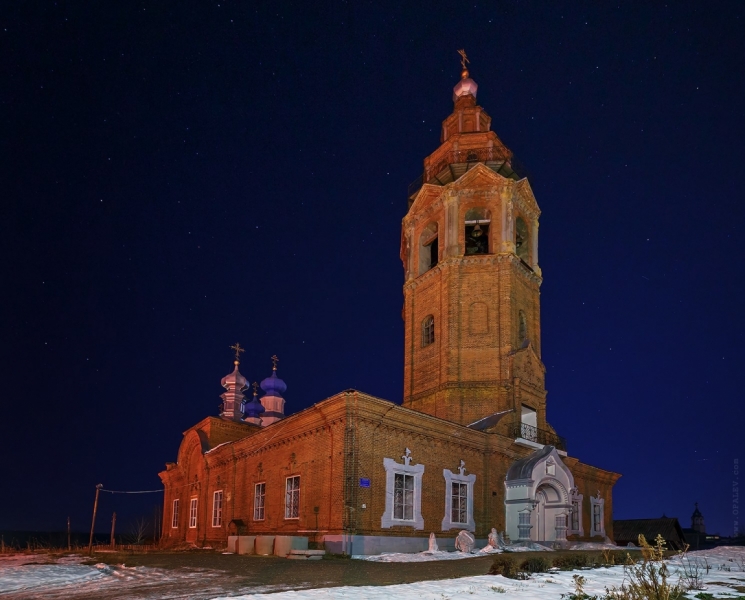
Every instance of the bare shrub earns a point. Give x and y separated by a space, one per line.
505 566
138 531
649 579
579 590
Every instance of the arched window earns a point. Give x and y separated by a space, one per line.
522 240
428 330
477 231
428 248
522 329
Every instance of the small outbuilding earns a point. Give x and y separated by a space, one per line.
628 530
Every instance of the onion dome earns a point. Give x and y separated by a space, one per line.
254 408
272 399
466 85
273 385
234 381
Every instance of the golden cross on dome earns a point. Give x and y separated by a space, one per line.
463 59
238 350
275 360
255 386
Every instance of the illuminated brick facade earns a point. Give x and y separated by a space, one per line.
375 476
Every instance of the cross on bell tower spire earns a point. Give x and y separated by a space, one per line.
463 61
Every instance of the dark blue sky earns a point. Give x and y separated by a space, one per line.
177 176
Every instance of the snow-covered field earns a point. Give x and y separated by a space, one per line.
727 570
40 576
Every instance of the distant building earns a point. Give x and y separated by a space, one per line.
470 448
696 536
627 531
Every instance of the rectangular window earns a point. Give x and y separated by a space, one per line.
596 514
259 496
575 515
403 497
459 503
217 509
193 513
292 498
174 514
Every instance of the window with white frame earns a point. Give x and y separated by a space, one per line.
193 513
403 493
403 497
458 503
259 498
458 499
174 514
292 497
597 525
575 520
217 509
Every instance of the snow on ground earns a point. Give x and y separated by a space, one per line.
49 577
43 576
727 569
444 555
425 556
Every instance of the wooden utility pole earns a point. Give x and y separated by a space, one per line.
113 524
93 522
69 545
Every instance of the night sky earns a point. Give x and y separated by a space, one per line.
179 176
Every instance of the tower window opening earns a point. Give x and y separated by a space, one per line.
428 331
477 231
428 248
522 240
522 329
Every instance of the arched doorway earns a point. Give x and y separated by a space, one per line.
549 505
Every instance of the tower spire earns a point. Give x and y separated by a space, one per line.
234 384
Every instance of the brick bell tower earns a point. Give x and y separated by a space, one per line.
469 246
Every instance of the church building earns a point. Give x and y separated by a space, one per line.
469 447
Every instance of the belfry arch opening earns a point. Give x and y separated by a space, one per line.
522 240
477 223
428 248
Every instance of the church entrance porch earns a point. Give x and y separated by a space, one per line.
537 497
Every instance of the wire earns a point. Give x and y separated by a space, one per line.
138 492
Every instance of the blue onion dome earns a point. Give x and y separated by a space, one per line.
254 408
273 385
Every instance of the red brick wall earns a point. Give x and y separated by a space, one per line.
331 446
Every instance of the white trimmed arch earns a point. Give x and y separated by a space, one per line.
537 497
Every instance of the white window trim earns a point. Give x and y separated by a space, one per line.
175 514
256 496
469 480
287 479
595 501
193 503
217 511
578 498
391 468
